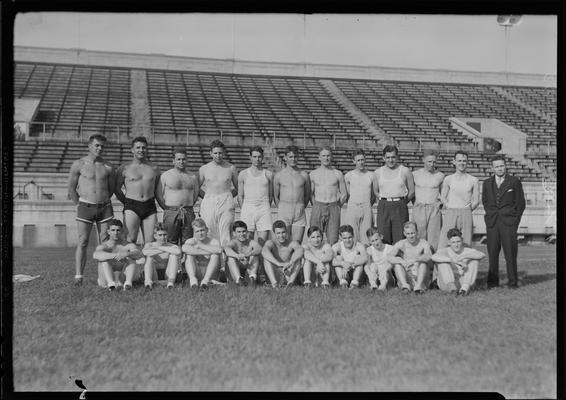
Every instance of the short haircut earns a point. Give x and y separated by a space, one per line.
141 139
217 143
313 229
498 157
430 152
279 224
372 231
462 152
390 149
256 148
346 229
98 136
178 150
410 223
115 222
199 223
160 226
358 152
322 148
453 232
292 149
239 224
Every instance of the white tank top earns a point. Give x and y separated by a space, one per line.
256 190
362 183
392 187
460 193
379 257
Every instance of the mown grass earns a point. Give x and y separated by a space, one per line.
232 338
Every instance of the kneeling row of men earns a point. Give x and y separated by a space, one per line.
407 264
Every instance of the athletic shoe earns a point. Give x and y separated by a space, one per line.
325 285
463 293
252 281
406 290
434 285
78 281
203 286
170 285
354 286
419 291
382 288
307 285
194 286
127 286
148 287
373 288
111 288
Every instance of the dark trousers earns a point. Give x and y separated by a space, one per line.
391 215
499 236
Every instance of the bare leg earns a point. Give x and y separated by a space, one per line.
253 267
422 274
105 275
384 275
469 278
234 269
307 271
172 268
147 228
130 273
371 272
356 276
83 230
102 230
211 268
268 267
445 277
149 271
191 267
295 268
341 275
132 223
401 276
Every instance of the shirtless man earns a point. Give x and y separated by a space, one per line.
394 189
282 257
457 265
319 255
243 255
117 259
349 258
411 269
161 258
426 211
91 185
203 256
291 191
220 181
176 193
460 196
255 195
359 184
139 178
328 194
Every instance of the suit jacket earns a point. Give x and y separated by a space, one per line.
506 204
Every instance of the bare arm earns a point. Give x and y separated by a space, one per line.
410 181
201 181
342 187
267 254
230 251
445 190
361 258
307 189
240 187
276 188
441 257
196 190
426 254
160 190
376 185
102 255
111 181
74 174
298 252
254 250
475 195
312 184
347 184
234 180
269 176
373 196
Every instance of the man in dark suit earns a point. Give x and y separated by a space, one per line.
504 202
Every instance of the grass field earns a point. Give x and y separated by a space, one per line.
296 339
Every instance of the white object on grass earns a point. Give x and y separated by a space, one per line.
23 278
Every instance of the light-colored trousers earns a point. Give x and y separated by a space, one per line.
429 221
460 218
360 217
449 278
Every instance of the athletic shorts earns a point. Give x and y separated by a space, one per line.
143 209
93 213
292 213
177 221
256 217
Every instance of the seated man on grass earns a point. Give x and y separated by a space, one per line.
117 259
318 254
203 255
349 258
243 254
161 258
411 268
457 265
282 257
378 267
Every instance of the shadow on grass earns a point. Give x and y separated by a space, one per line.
524 279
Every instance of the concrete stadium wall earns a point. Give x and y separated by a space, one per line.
52 223
165 62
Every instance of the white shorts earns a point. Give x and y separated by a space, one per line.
256 217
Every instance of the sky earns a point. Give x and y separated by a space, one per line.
452 42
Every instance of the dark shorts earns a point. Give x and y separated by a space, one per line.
177 221
143 209
93 213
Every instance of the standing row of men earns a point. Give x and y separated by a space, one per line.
139 184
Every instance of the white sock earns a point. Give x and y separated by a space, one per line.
78 276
